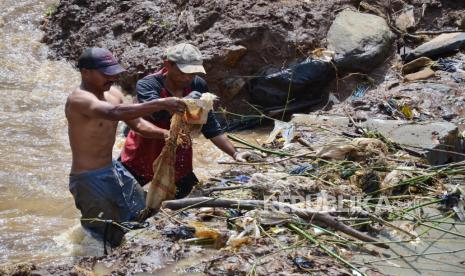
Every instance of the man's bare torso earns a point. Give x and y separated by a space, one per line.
91 139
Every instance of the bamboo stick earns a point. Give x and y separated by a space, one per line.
319 217
326 249
242 141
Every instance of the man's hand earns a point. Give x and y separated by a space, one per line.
247 156
166 134
173 104
194 95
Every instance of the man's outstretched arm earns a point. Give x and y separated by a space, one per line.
146 129
223 143
88 105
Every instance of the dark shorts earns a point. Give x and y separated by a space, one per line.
109 193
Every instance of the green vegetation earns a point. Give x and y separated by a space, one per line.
51 10
150 21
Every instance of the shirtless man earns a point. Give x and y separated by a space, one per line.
102 188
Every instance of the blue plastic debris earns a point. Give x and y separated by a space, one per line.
445 64
300 169
240 178
360 91
458 79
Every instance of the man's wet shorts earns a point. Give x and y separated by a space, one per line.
109 193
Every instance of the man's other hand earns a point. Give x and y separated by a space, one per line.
173 104
194 95
247 156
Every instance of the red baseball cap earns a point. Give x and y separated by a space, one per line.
100 59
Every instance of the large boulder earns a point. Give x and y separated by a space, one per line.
361 41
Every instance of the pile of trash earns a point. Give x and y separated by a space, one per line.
325 200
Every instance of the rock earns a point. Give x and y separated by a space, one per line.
427 136
420 75
117 26
416 65
139 32
2 22
406 20
437 88
440 45
361 41
233 86
234 54
206 21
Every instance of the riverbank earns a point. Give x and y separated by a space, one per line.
336 203
242 41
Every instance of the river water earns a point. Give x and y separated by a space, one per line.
35 205
38 219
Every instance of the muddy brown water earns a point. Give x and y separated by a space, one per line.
34 200
38 219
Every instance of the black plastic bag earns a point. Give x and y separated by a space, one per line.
303 81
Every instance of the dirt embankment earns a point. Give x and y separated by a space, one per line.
237 38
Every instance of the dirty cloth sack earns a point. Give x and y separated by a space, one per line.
163 186
357 149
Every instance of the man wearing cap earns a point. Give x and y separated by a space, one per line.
177 78
102 188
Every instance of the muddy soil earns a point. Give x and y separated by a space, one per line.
237 38
440 97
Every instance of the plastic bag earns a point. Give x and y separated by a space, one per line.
287 131
357 149
203 231
393 178
250 232
303 80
